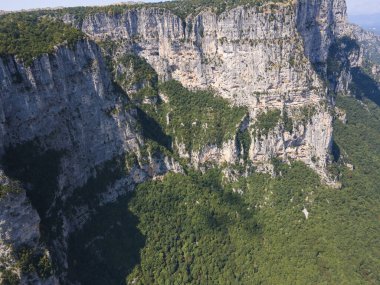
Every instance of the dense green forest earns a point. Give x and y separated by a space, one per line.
200 118
198 231
196 228
194 118
27 35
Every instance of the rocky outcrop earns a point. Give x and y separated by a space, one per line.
241 53
260 57
370 49
364 37
320 22
20 237
63 100
353 63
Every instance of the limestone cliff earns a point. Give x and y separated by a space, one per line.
260 57
60 112
66 109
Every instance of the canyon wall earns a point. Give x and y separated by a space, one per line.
263 57
60 112
268 58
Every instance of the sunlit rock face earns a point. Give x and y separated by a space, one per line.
261 57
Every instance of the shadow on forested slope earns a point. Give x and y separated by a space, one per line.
335 151
107 248
151 129
363 86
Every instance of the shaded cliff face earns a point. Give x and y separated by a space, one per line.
59 127
54 113
369 56
20 239
320 22
62 100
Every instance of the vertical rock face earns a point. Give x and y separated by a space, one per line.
261 57
241 53
319 22
62 100
66 104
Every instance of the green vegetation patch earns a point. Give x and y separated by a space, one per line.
12 187
8 277
359 144
199 232
134 72
27 35
288 122
307 113
196 118
183 8
194 231
31 261
244 141
267 121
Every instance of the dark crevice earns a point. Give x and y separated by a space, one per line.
335 151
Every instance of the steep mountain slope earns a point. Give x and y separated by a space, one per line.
59 128
188 102
250 55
